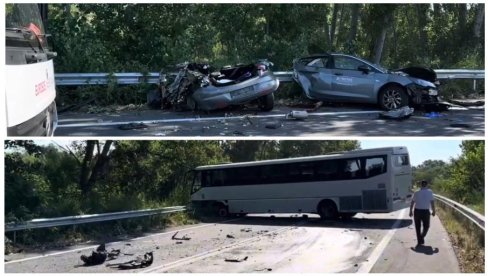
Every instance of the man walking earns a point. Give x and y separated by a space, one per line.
423 200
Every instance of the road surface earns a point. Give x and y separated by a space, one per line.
265 243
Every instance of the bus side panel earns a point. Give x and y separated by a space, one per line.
296 205
30 90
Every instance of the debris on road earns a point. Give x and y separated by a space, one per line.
139 262
96 258
131 126
112 255
246 230
298 115
262 232
179 242
432 115
397 114
184 238
236 259
230 236
264 269
273 125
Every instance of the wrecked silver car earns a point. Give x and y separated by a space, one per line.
197 87
345 78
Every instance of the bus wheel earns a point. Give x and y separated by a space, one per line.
222 211
327 210
347 216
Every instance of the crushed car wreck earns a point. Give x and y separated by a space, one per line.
197 87
346 78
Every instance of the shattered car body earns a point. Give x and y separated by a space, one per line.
197 87
345 78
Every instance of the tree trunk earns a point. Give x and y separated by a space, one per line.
380 39
422 22
341 24
478 23
86 167
100 164
333 26
354 22
327 30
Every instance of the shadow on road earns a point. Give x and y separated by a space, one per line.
352 224
427 250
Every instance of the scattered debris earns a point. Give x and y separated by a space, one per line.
263 269
179 242
468 102
131 126
355 265
273 125
262 232
365 238
299 115
246 230
238 132
463 125
397 114
432 115
139 262
230 236
96 258
236 259
112 255
184 238
128 244
316 106
157 247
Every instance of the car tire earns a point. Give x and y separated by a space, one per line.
266 102
347 216
393 97
327 210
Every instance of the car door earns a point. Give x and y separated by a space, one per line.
315 78
351 84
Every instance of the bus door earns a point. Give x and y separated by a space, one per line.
402 177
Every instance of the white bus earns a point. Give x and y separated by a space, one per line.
30 87
336 185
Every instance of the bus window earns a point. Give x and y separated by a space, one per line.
352 169
402 160
375 166
327 170
197 181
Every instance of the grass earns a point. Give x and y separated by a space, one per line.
467 239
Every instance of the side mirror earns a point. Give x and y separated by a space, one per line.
364 68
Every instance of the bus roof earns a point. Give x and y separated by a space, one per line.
392 150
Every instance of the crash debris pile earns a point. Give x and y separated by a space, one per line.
100 255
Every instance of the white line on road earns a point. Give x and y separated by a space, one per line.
215 251
199 119
366 267
95 246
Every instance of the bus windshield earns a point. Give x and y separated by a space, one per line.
20 16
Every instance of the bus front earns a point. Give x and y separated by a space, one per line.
402 178
30 88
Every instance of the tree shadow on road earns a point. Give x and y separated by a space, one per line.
427 250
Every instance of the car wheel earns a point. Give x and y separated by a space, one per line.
327 210
266 102
393 97
347 216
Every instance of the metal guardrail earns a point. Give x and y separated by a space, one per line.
474 216
73 220
75 79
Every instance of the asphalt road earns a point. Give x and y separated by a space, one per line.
281 243
346 120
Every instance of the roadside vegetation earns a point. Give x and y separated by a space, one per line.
461 179
153 37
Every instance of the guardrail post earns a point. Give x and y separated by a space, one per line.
15 237
474 85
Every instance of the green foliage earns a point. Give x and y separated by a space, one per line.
462 179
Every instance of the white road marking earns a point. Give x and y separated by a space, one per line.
366 267
215 251
212 119
95 246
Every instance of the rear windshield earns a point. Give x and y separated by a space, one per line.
19 16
